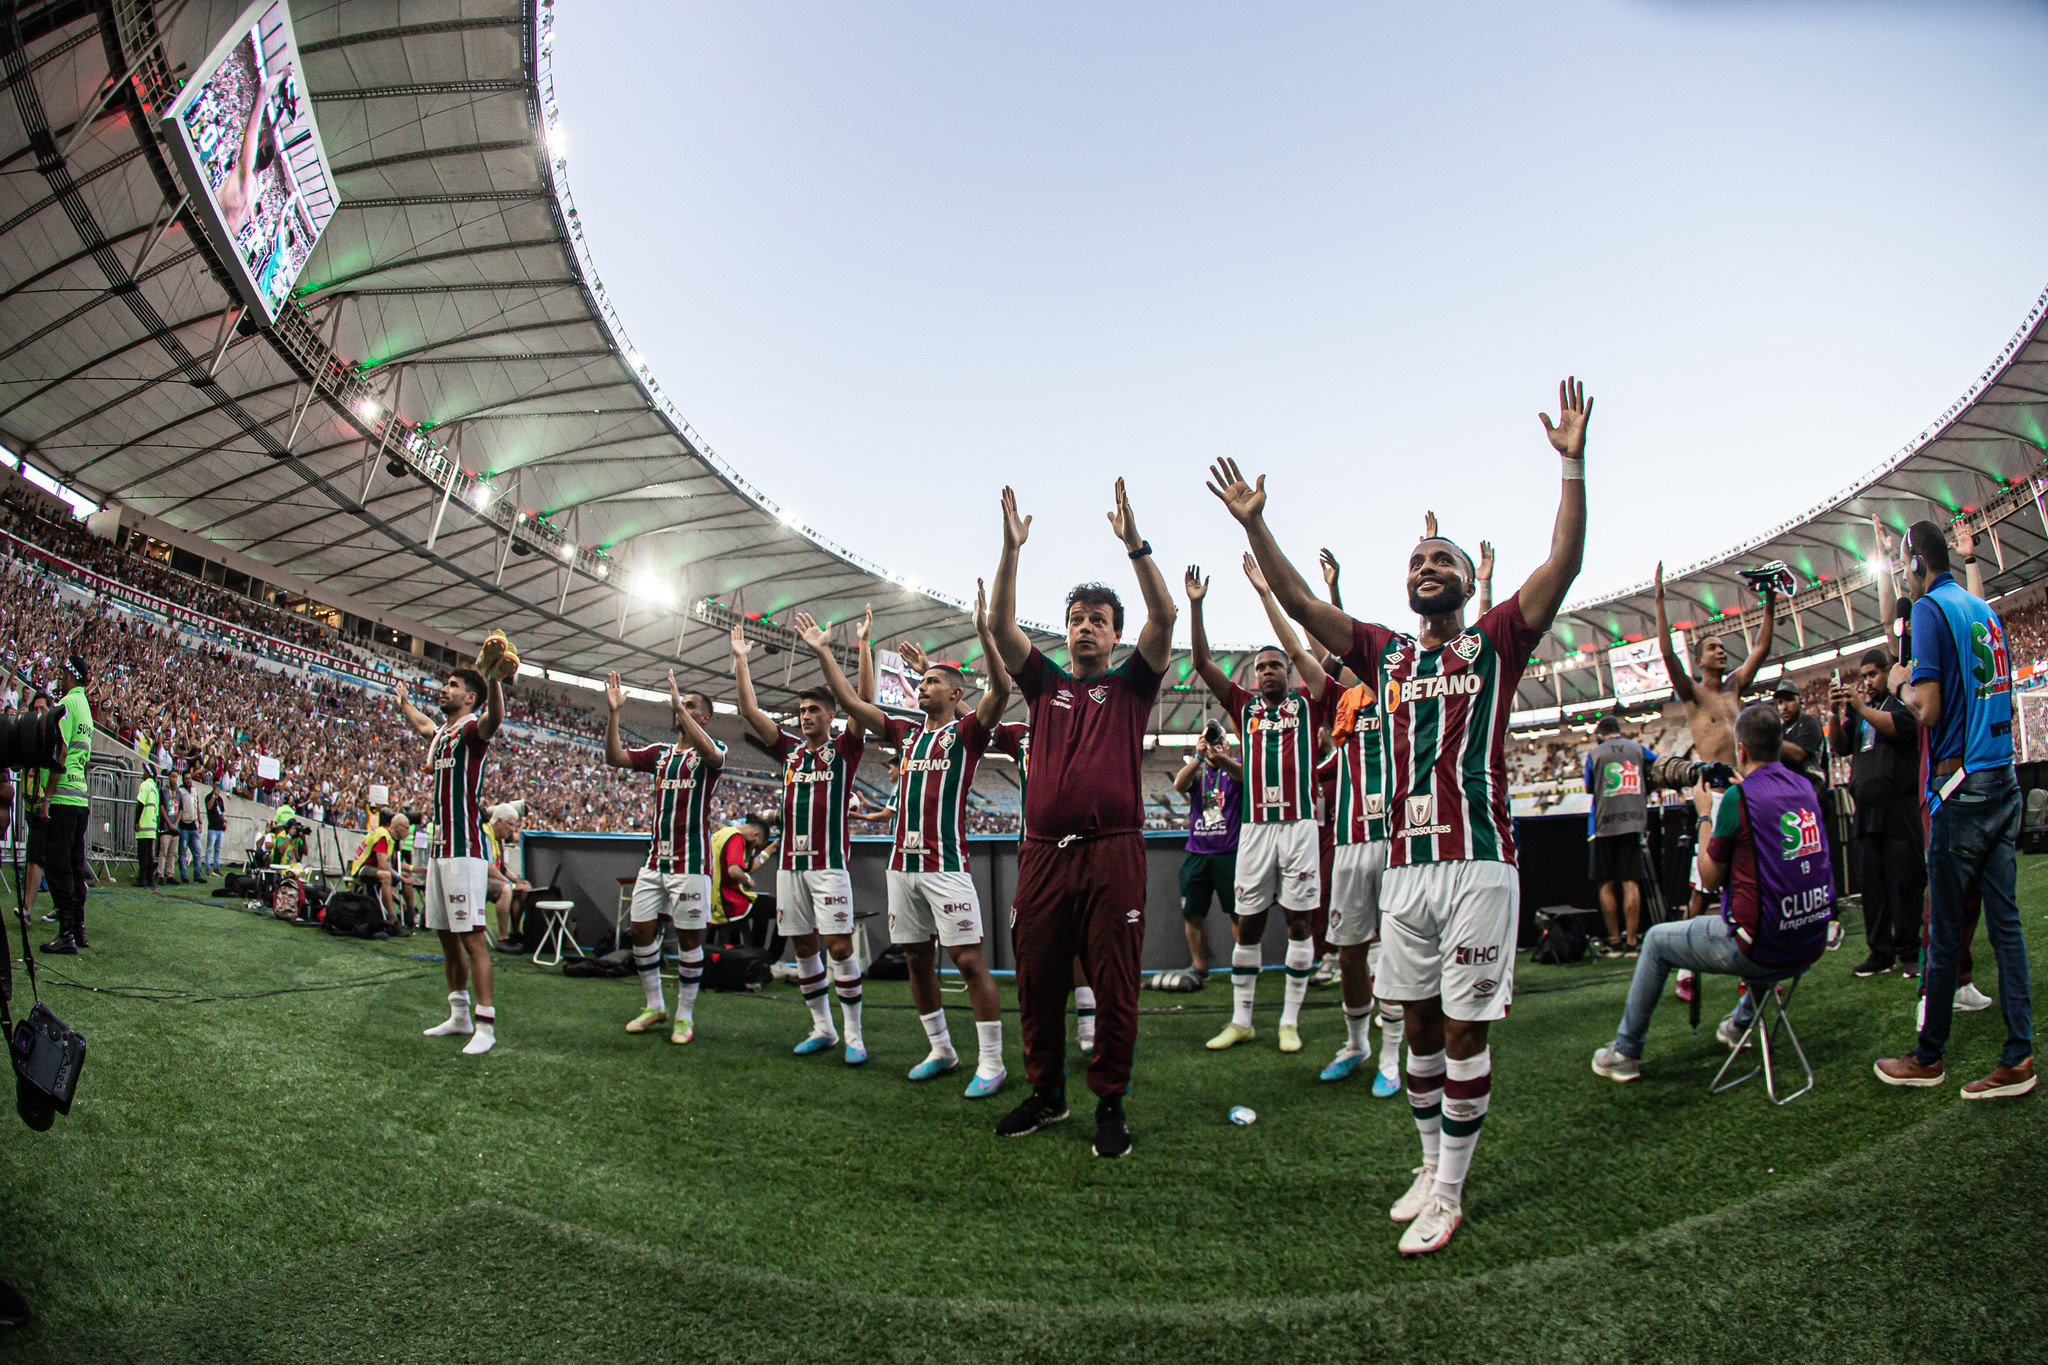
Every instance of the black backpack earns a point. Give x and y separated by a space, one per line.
1560 943
353 912
736 969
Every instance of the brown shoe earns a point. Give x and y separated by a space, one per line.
2005 1082
1908 1070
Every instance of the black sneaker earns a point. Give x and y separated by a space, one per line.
60 944
1041 1108
1112 1134
1873 966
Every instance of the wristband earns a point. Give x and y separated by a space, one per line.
1574 468
1969 559
1144 548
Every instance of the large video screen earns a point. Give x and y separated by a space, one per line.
1639 668
245 139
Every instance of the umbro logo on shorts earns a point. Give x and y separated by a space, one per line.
1485 988
1130 916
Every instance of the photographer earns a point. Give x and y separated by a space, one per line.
64 832
1617 774
1881 738
1214 782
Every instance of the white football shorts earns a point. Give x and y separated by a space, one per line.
682 898
457 894
1448 930
818 902
922 904
1280 862
1355 871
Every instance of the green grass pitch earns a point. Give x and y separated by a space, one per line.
302 1177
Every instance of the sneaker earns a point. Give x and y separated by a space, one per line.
1087 1046
1432 1228
1326 972
1728 1033
1041 1109
816 1041
60 945
685 1031
938 1064
2005 1082
1342 1065
1632 950
645 1021
1409 1205
1603 948
1873 966
1835 934
50 918
1386 1083
1112 1134
1909 1070
856 1054
1688 985
1910 970
1968 997
1232 1035
1615 1066
981 1087
510 946
1290 1038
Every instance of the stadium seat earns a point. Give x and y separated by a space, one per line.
1774 995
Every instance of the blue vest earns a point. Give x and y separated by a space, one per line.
1984 701
1795 890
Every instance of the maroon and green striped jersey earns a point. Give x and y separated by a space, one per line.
1365 780
1013 737
935 771
817 784
1279 755
1445 716
682 805
455 757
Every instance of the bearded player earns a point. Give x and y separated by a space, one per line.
1277 855
457 899
1449 899
813 889
931 889
1081 872
675 885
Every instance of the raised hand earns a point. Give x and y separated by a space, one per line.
913 656
810 632
742 647
1244 501
866 627
1486 559
1331 568
614 691
1196 585
1574 410
1884 546
1016 529
1125 522
1660 580
489 657
1966 541
399 690
980 606
1251 571
1429 526
675 696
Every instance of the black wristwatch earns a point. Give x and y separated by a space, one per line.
1144 548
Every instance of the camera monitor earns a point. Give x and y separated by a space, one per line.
243 135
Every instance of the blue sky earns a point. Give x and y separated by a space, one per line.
890 256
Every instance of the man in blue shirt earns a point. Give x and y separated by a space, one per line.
1962 698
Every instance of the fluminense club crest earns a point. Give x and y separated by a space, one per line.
1098 694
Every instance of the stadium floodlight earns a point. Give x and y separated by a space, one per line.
243 136
789 517
652 587
479 495
370 409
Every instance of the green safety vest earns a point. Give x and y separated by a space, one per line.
146 802
75 725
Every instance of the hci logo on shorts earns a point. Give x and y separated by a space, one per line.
1470 956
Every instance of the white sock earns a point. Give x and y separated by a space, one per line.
1358 1029
486 1032
990 1036
647 962
1301 965
1244 982
1084 1015
1468 1085
846 981
935 1029
1393 1024
810 979
458 1017
689 976
1426 1099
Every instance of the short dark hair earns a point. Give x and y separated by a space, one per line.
1608 726
1271 649
821 695
1097 595
472 680
700 697
1882 658
1928 543
959 678
1761 732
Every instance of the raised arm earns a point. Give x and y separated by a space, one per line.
863 713
1485 577
1544 592
614 697
706 747
757 720
1746 674
1328 623
865 683
1306 664
989 710
1011 642
1198 633
414 717
1681 681
1966 546
1155 637
1331 569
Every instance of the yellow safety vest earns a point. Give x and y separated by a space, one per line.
718 842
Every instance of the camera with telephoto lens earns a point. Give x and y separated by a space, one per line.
1212 733
1681 774
32 739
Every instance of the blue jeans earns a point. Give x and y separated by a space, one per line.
1974 841
188 848
210 862
1703 943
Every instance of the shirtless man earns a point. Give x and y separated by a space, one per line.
1711 698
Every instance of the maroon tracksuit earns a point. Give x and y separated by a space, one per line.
1081 873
